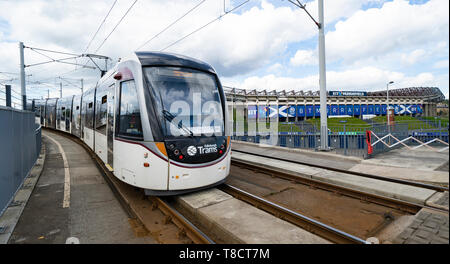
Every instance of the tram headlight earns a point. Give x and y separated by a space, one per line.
176 152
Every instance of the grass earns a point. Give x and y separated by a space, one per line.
352 124
265 127
413 123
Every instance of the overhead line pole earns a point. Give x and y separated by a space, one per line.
322 82
23 89
322 74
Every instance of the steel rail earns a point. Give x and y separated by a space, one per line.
408 207
366 175
186 227
307 223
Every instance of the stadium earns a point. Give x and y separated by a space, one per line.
295 106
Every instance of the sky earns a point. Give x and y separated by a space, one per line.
260 45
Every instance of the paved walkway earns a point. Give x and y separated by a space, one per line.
427 227
90 213
422 159
301 155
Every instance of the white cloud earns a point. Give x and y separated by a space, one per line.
275 67
240 43
364 79
396 26
442 64
304 57
414 56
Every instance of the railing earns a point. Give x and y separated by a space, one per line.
19 148
411 143
346 139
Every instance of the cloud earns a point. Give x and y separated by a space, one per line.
442 64
254 40
396 26
413 56
275 67
363 79
304 57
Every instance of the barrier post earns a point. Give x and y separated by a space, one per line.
369 142
8 95
345 141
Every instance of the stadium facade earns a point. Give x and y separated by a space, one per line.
296 106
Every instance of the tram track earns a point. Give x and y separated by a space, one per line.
330 233
141 208
397 204
361 174
275 198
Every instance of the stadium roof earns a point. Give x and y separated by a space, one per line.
427 93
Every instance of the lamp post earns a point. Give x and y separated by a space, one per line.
388 107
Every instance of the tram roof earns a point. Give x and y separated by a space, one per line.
171 59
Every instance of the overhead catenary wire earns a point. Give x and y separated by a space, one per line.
118 23
69 82
169 26
67 53
62 60
207 24
303 6
98 29
53 51
103 42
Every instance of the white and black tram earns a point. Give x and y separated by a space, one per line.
158 121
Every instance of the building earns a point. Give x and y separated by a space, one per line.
296 106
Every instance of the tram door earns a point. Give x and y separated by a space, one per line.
110 125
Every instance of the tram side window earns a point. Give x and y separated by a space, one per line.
68 113
89 115
100 119
63 113
129 112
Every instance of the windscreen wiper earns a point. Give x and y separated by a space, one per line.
170 117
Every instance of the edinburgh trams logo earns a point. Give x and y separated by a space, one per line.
191 150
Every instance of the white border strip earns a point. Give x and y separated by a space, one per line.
66 201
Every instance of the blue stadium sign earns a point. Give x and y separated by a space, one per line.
334 110
252 111
357 109
286 111
309 110
300 110
347 93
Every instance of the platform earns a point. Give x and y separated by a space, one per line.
416 165
233 221
74 203
81 209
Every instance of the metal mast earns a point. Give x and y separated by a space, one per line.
323 82
23 89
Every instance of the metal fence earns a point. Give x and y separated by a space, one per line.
346 139
20 144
